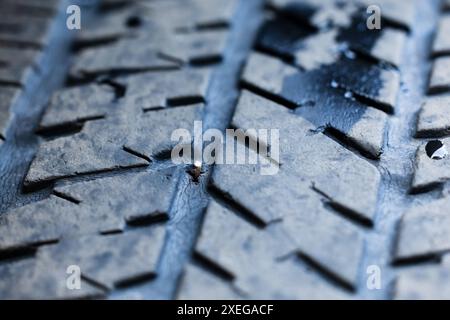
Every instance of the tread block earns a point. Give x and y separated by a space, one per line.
197 14
433 118
440 75
95 206
162 89
324 105
240 244
442 41
424 230
323 14
26 30
429 172
100 258
117 57
385 45
425 283
196 283
109 260
141 92
372 82
302 169
153 52
48 220
152 17
78 104
15 65
313 229
31 279
105 144
300 148
310 48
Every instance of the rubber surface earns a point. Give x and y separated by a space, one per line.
85 139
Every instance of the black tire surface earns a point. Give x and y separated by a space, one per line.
85 137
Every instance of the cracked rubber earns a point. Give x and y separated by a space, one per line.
86 119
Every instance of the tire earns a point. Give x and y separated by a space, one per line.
356 210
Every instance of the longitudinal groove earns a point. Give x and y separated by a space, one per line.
191 199
396 164
21 142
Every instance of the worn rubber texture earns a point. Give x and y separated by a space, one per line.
85 137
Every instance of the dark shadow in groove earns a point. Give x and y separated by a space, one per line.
135 280
111 232
228 202
163 155
212 26
205 61
426 188
350 215
286 58
17 253
136 154
81 45
108 7
327 274
345 212
184 101
212 267
148 219
20 44
168 57
94 283
220 25
363 56
374 104
433 134
23 252
386 22
10 84
260 145
438 90
440 54
270 96
66 197
87 78
289 13
64 129
418 260
38 185
119 89
347 143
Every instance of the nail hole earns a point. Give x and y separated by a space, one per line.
436 150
